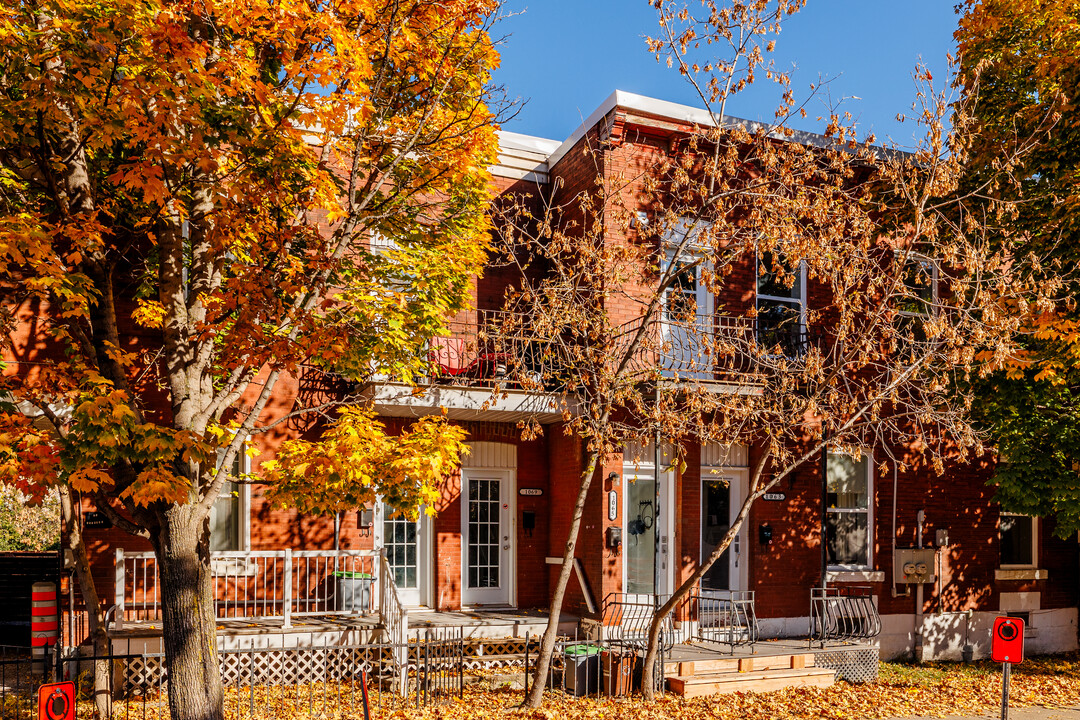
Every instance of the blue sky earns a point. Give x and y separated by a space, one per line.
566 56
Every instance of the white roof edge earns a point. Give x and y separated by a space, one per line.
684 113
518 141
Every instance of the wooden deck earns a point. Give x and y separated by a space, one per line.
358 628
709 668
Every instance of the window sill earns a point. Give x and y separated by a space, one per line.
1020 574
855 576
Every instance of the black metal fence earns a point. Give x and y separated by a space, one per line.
370 680
596 668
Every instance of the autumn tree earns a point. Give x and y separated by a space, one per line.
1019 59
912 299
188 197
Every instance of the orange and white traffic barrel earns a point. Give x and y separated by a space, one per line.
44 623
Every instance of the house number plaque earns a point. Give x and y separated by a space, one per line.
530 491
612 505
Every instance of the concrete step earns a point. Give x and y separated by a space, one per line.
760 681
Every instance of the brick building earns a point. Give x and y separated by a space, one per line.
500 528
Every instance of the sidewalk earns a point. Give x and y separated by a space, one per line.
1014 714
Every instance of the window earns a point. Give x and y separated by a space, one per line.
1017 536
917 299
920 276
228 524
401 539
680 297
781 299
848 517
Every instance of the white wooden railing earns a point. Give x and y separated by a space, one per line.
395 620
263 584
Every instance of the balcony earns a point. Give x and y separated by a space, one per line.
490 367
737 354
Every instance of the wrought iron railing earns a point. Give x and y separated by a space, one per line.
719 348
843 614
626 618
724 616
494 348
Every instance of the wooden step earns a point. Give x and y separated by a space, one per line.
712 666
762 681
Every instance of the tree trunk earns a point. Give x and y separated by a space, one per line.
95 619
547 645
188 616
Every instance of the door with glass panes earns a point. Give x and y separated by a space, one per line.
407 544
721 499
487 537
646 533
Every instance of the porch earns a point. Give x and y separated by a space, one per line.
286 598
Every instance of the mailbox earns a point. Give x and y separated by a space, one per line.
1007 640
913 565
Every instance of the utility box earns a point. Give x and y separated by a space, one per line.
913 566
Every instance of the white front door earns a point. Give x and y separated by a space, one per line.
487 537
647 536
722 493
408 553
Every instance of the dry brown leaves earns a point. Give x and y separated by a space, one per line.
900 691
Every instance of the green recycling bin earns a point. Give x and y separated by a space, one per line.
353 591
581 674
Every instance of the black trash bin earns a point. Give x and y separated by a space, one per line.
581 675
353 591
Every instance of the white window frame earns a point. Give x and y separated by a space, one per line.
1034 543
800 282
870 531
243 493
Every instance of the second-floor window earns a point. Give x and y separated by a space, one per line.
681 295
916 300
781 304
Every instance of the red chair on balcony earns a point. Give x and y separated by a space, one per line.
455 357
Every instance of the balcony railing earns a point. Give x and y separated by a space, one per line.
259 584
494 348
502 349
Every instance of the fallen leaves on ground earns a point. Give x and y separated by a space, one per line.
934 689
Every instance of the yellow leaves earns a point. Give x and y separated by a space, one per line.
149 313
157 484
355 461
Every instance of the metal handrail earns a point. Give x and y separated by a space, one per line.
843 614
725 616
626 618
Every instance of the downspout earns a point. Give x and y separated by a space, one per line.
656 506
894 488
920 517
824 505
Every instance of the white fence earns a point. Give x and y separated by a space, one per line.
265 584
